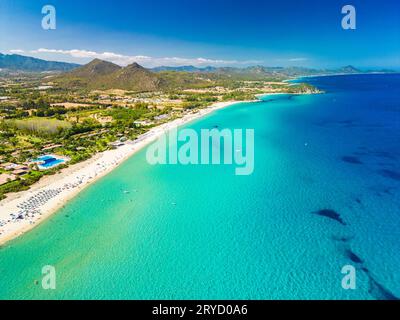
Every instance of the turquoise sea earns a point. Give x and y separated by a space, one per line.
325 193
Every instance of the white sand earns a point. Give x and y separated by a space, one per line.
21 211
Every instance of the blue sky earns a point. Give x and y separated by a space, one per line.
206 32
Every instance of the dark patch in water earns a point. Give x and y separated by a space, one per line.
390 174
388 191
379 291
358 201
380 190
341 239
351 159
330 214
353 257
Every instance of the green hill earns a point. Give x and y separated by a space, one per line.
133 77
99 74
94 69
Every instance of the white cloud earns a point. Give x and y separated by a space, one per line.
16 51
146 61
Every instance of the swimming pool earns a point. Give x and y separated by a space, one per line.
48 161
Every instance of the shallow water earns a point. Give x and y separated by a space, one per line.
324 194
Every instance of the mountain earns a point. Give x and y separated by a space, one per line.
94 69
99 74
17 62
134 77
349 69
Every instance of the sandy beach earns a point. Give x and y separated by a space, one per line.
22 211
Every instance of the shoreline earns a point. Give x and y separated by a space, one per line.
20 212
